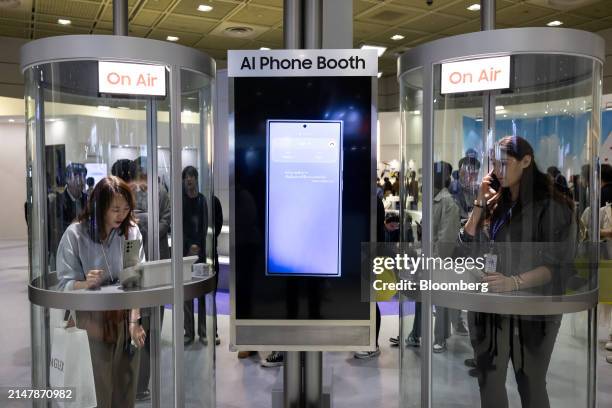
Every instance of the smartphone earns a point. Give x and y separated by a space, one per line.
495 184
304 198
131 252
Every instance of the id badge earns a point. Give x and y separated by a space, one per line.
490 263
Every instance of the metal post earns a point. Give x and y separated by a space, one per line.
210 394
426 312
313 360
594 197
155 350
153 249
337 24
487 15
152 185
292 24
39 318
177 234
313 378
120 17
487 22
592 359
292 370
292 380
312 24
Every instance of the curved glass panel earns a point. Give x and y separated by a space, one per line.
411 145
202 222
99 213
515 168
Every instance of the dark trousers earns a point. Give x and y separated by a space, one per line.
145 353
527 341
377 323
416 324
190 318
115 371
442 325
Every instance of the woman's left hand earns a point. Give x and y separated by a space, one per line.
498 282
137 334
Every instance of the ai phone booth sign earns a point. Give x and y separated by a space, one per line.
302 198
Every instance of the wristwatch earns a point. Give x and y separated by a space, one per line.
479 203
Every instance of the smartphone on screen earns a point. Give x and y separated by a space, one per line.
304 198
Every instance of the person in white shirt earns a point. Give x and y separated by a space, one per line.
90 255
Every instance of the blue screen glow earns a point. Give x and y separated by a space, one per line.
304 198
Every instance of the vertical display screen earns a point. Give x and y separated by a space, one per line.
304 198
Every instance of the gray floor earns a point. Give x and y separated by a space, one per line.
243 383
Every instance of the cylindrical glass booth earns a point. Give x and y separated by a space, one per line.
510 174
122 220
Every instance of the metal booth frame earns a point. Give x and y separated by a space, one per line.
484 44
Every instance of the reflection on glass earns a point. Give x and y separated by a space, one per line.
409 339
202 222
520 161
87 136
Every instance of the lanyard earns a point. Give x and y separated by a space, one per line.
499 224
110 273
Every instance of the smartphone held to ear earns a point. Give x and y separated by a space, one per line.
495 184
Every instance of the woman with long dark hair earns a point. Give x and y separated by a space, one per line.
525 229
90 255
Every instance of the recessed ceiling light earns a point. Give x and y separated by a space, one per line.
264 48
397 37
205 8
380 50
499 107
11 120
555 23
379 74
63 21
103 108
172 38
474 7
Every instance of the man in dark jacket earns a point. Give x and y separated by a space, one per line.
65 207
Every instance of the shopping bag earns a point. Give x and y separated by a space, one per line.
70 366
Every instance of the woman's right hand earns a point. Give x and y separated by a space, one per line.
486 194
93 278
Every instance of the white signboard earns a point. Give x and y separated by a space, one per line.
131 79
316 63
476 75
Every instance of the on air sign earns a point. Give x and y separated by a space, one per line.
131 79
476 75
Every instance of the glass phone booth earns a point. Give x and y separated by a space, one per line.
140 110
533 135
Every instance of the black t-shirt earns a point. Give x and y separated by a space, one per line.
606 195
195 223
